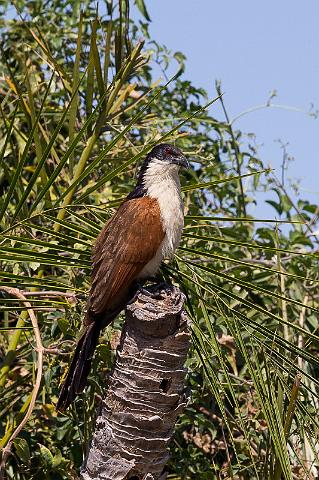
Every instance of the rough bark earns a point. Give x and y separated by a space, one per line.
145 392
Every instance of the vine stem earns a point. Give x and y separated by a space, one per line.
241 199
40 351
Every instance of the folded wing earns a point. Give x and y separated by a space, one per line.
126 244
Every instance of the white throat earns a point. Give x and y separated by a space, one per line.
161 181
160 178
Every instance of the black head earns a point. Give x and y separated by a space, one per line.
168 153
163 153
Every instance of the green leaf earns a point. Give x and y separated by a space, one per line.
25 153
22 449
142 8
46 456
63 325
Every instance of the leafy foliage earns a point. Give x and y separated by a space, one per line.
80 105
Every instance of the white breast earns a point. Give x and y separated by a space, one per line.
162 182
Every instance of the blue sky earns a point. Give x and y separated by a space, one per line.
254 47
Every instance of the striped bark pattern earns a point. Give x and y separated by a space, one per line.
145 392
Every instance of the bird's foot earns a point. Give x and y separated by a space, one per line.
136 289
142 289
139 287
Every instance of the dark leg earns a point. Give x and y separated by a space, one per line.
138 286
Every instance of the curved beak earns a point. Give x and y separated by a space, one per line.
182 161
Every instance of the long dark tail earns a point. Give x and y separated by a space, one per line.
80 366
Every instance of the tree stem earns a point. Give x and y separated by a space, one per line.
145 391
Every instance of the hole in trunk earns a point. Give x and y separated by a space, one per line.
135 477
165 384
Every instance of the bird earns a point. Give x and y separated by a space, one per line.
145 230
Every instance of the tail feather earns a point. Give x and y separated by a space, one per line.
80 366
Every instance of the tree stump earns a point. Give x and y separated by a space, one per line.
145 392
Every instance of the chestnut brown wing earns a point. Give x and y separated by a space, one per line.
127 243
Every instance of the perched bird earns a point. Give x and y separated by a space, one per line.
146 228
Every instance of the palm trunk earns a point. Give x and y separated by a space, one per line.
145 392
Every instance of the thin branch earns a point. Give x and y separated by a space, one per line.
282 290
301 323
40 350
272 105
236 150
49 293
250 262
307 224
255 261
55 351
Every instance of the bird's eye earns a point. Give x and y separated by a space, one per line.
170 151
